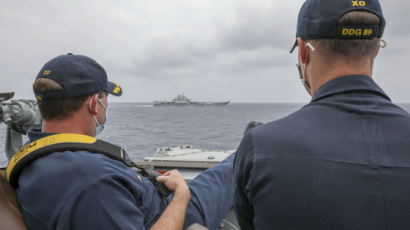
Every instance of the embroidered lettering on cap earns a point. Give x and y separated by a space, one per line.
117 88
359 3
357 32
352 32
368 32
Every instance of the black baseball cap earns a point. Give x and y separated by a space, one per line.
319 19
78 75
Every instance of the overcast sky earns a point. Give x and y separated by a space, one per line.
212 50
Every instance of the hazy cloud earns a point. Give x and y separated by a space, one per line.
210 49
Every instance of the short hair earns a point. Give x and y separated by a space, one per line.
56 109
351 49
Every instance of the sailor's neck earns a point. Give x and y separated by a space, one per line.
74 124
321 75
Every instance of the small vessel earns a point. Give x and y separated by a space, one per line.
182 101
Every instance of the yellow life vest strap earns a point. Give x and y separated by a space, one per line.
59 143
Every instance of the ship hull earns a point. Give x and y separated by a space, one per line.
192 104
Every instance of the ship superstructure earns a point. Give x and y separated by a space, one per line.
182 101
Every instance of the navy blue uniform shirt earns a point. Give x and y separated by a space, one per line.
340 162
83 190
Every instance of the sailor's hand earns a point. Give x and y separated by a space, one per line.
175 182
173 216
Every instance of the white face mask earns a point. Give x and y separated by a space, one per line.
302 76
100 127
302 73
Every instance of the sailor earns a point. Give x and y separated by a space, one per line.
89 190
342 161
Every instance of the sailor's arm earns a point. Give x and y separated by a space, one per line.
103 204
173 216
243 165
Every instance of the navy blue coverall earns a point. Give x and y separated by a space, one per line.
83 190
340 162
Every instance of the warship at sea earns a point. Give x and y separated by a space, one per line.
182 101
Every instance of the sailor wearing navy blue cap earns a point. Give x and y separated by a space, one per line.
74 77
342 161
78 188
77 75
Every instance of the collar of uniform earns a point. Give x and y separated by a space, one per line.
35 134
348 83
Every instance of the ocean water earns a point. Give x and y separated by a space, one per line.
141 128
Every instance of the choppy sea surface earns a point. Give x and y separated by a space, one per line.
141 128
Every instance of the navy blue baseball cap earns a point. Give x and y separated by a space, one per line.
78 75
319 19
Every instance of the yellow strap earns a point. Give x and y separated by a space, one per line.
46 141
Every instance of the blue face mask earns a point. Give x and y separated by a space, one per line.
100 127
